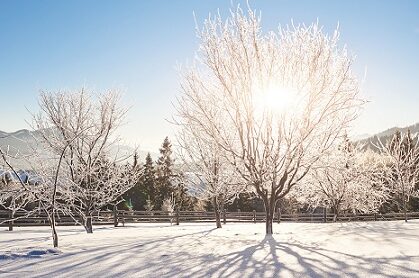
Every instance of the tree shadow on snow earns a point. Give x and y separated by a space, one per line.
190 255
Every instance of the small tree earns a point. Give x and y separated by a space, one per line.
346 179
42 190
17 190
79 130
207 174
169 206
402 156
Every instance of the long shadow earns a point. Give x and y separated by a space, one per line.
267 258
120 248
312 261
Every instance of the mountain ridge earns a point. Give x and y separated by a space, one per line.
23 140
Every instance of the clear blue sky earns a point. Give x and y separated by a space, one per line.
136 45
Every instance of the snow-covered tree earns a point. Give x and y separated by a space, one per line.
283 98
78 129
345 179
402 156
169 206
41 188
17 187
207 174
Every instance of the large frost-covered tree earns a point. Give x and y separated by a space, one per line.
283 98
79 129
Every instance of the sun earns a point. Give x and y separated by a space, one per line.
277 99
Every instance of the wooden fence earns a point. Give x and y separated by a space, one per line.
121 217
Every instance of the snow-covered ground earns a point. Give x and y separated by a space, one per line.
374 249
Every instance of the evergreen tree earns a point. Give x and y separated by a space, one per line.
164 187
149 179
184 201
136 197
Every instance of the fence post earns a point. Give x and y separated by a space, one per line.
11 220
115 216
254 216
224 217
177 216
324 215
279 215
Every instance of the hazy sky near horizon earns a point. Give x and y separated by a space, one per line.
135 46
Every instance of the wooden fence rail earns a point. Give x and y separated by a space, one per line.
117 217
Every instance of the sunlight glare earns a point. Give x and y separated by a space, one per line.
276 99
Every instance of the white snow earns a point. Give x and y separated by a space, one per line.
357 249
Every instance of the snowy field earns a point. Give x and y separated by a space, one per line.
375 249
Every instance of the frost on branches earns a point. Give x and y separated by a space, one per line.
402 159
345 179
207 174
17 188
282 99
29 192
78 132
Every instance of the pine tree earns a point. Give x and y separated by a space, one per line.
164 187
149 179
136 197
184 201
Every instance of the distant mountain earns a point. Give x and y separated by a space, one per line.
387 134
22 142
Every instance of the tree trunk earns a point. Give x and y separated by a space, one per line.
336 213
54 230
404 209
115 216
269 209
216 212
88 224
324 214
11 215
269 220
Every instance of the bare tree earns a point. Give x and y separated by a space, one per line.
40 189
402 156
207 174
78 130
16 187
283 98
345 179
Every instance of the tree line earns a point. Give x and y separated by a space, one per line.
160 186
